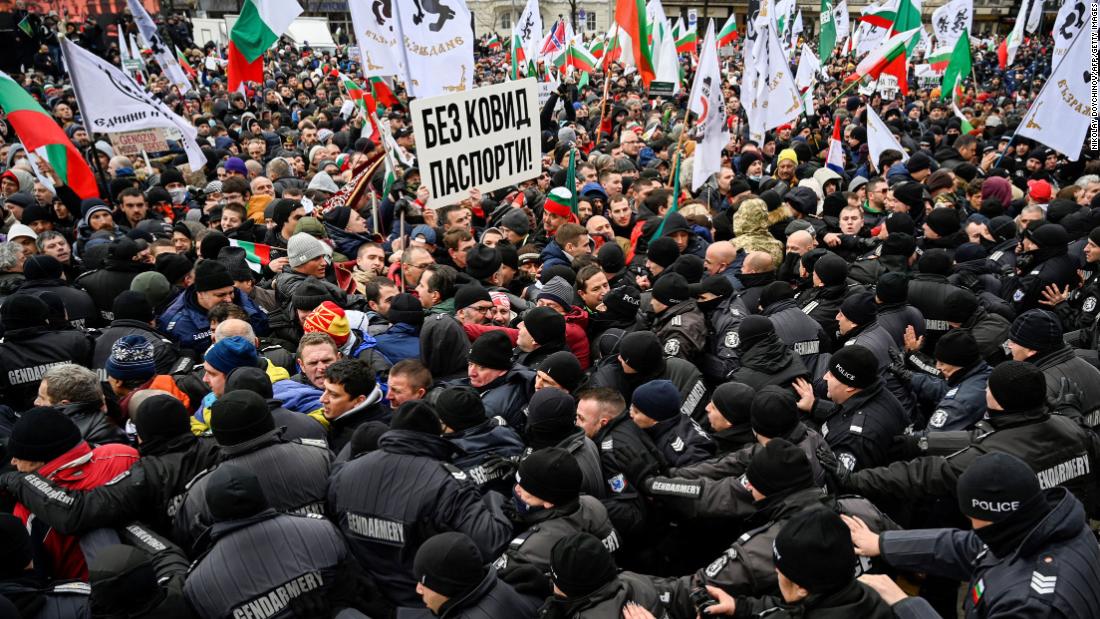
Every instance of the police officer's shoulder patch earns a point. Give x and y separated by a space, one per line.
677 321
608 444
455 472
733 340
951 392
677 445
672 347
847 459
938 419
314 442
617 483
118 478
1089 305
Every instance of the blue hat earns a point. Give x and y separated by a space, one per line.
230 353
594 189
131 358
236 165
423 230
658 400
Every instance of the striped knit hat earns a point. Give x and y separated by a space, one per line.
558 203
328 318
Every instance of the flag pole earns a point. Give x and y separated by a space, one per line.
842 92
603 101
680 149
401 232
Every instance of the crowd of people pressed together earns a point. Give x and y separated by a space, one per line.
280 387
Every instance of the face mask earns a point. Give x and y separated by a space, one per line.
178 195
521 507
757 178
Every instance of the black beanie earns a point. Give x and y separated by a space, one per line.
957 347
482 262
733 401
1018 386
623 302
338 217
689 266
944 221
899 244
753 329
233 492
416 416
21 311
546 326
42 434
831 269
280 214
1037 329
460 408
671 289
310 294
551 474
611 258
935 262
663 251
132 305
961 305
996 486
449 564
774 292
564 368
211 275
641 350
240 416
42 267
174 267
892 288
911 194
161 416
581 564
123 580
250 379
779 466
17 547
855 366
859 308
211 244
365 438
492 350
900 223
551 416
406 308
123 249
469 294
814 551
774 412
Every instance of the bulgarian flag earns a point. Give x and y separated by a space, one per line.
259 26
257 254
687 42
958 67
630 15
355 91
180 58
939 59
597 48
494 42
381 91
890 59
879 16
519 57
728 34
966 126
42 136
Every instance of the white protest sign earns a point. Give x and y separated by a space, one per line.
128 143
487 138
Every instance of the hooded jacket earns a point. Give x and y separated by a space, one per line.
750 227
769 362
343 427
507 396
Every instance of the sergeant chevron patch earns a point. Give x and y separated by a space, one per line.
1043 585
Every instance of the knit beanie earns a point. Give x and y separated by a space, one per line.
230 353
211 244
492 350
211 275
641 350
774 412
996 486
775 292
855 366
961 305
132 305
310 294
469 294
779 466
557 202
161 416
416 416
657 399
131 359
153 285
899 244
482 262
831 269
814 551
303 247
449 564
42 434
460 408
338 217
1037 329
1018 386
559 291
580 564
935 262
551 416
328 318
671 289
859 308
546 326
517 221
240 416
22 311
943 221
564 368
752 330
892 288
623 302
250 378
611 258
175 267
957 347
733 401
663 251
406 308
551 474
42 266
233 492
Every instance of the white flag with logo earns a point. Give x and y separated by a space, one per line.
162 51
1071 17
376 33
879 139
707 103
529 29
1061 114
808 68
775 98
950 20
1035 16
112 101
841 20
438 54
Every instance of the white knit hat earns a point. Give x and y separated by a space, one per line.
303 247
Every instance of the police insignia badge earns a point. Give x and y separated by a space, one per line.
617 483
672 347
733 340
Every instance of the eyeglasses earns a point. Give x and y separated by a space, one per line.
418 266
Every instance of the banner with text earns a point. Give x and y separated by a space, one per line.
486 138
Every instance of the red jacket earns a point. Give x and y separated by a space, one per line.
576 334
80 468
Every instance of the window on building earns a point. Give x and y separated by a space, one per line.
590 20
506 21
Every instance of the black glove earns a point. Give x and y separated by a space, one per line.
969 281
1067 402
499 467
528 580
899 369
907 447
835 470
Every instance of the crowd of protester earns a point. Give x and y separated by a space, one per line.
252 391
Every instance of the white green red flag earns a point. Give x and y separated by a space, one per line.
958 67
630 15
966 126
186 66
597 47
43 138
940 58
493 42
687 42
890 59
259 26
258 255
1006 51
728 34
382 91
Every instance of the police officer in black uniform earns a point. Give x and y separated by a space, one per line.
477 442
551 422
655 408
293 474
964 311
29 348
453 581
389 501
822 301
928 292
31 595
151 490
802 334
640 360
894 313
765 359
676 318
1036 337
715 297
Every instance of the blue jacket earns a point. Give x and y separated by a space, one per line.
473 446
185 320
959 405
296 396
553 254
401 341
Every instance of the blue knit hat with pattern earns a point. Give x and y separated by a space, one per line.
131 358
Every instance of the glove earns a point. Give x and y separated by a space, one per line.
499 467
969 281
528 580
907 447
838 474
899 369
1067 402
